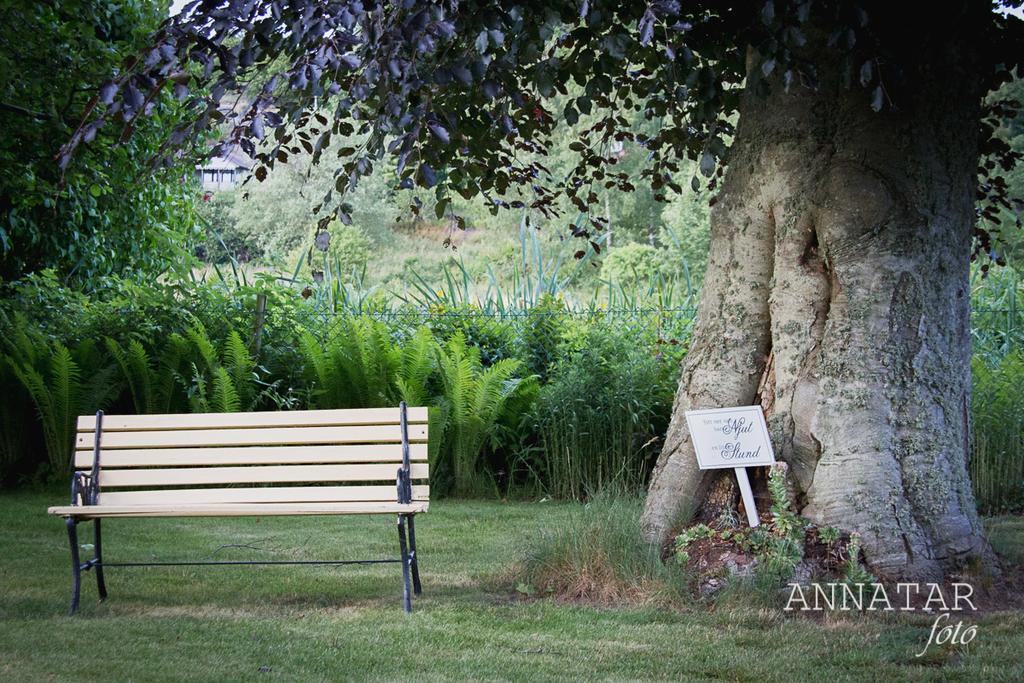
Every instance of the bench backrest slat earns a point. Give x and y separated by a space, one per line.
263 494
247 455
256 474
289 418
263 457
274 436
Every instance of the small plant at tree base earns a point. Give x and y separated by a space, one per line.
853 571
688 536
785 522
828 534
778 545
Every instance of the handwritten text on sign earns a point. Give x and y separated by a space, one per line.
730 437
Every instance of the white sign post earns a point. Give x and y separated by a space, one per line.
732 437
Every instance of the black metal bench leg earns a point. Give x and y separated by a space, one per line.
406 597
76 566
413 557
98 542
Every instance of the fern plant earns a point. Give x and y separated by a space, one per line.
473 401
225 381
62 383
15 412
356 368
363 367
417 365
152 383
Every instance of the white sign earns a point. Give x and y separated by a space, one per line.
730 437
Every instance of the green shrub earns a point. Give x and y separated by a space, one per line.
494 336
634 265
153 384
686 232
542 332
226 239
222 382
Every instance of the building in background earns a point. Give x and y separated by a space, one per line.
224 172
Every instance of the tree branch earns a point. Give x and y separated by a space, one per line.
39 116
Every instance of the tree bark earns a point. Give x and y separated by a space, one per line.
837 297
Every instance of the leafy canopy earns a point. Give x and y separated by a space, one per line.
102 215
466 97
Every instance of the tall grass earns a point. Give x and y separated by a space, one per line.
599 556
997 321
598 418
997 453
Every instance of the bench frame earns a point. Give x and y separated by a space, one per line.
85 491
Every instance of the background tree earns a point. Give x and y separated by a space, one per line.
103 214
836 286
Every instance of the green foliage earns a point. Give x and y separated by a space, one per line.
107 213
417 366
688 536
277 214
494 337
226 238
828 534
362 366
349 249
358 367
542 334
781 548
633 265
853 571
154 385
686 232
997 318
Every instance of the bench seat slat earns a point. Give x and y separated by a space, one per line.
258 474
250 455
277 436
290 418
237 510
276 494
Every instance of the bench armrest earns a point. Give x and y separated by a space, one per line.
85 486
404 482
84 489
404 485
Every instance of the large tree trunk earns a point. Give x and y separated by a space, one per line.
837 297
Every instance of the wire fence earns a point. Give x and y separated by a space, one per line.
500 334
535 333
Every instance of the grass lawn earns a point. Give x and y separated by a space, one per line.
330 623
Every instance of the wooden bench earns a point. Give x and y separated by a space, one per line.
308 462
